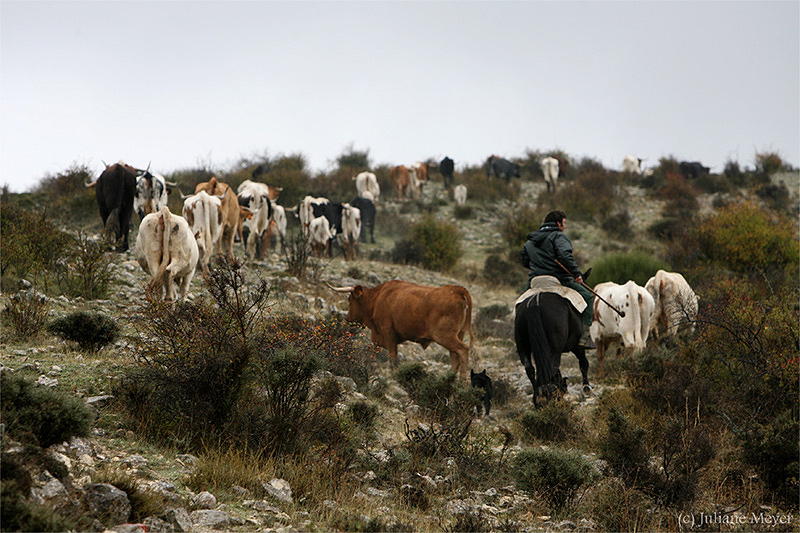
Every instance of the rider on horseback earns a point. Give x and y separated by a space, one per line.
548 245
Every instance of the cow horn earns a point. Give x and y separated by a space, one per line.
90 185
340 289
171 183
184 197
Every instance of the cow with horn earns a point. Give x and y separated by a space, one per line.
114 191
398 311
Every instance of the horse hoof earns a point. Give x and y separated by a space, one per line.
587 390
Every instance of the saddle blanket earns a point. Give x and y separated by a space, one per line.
541 284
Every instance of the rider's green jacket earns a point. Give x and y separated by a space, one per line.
546 245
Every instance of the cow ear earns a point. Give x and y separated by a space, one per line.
358 291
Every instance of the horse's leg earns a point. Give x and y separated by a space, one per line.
580 353
530 371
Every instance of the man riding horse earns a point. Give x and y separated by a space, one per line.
542 253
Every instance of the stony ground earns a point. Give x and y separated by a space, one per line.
90 376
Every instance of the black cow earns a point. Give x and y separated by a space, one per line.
446 167
114 191
693 169
333 212
367 209
502 168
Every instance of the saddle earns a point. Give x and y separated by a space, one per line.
540 284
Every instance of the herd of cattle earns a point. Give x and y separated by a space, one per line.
170 247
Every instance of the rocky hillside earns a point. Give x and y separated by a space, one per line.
78 475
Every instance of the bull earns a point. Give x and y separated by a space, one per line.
114 191
398 311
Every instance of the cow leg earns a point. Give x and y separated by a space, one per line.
602 346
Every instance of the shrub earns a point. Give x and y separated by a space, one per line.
743 239
31 245
773 449
461 212
91 331
593 193
17 514
144 503
768 163
777 197
556 421
297 253
623 447
27 313
40 415
84 269
734 173
437 243
553 474
619 268
515 226
619 225
498 271
66 194
617 507
680 196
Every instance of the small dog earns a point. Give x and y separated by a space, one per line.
481 380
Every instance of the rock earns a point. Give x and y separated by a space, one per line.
279 489
179 519
130 528
99 401
134 461
240 492
457 507
210 518
186 459
106 503
204 500
44 381
52 493
156 525
261 506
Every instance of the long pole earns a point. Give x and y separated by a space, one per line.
620 313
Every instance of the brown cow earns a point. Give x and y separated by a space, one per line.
401 179
230 213
398 311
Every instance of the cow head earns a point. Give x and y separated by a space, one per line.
355 312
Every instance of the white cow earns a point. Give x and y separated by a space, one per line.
418 174
319 235
351 231
549 166
203 214
305 211
632 164
151 193
167 250
675 304
367 182
260 199
460 194
277 226
609 327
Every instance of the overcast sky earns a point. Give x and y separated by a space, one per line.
175 84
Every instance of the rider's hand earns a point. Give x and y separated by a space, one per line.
579 280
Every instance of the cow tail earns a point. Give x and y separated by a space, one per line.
164 228
540 348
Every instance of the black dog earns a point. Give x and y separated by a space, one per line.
481 380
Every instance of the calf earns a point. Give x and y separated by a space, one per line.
319 236
351 230
167 250
460 194
203 214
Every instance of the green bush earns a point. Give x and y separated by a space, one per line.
680 196
498 271
743 239
26 312
773 449
31 245
84 271
556 421
593 193
17 514
436 245
624 448
553 474
515 226
621 267
41 415
91 331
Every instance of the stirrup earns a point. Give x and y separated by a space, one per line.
587 344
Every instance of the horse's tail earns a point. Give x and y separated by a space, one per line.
540 348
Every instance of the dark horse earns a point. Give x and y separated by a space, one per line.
547 325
